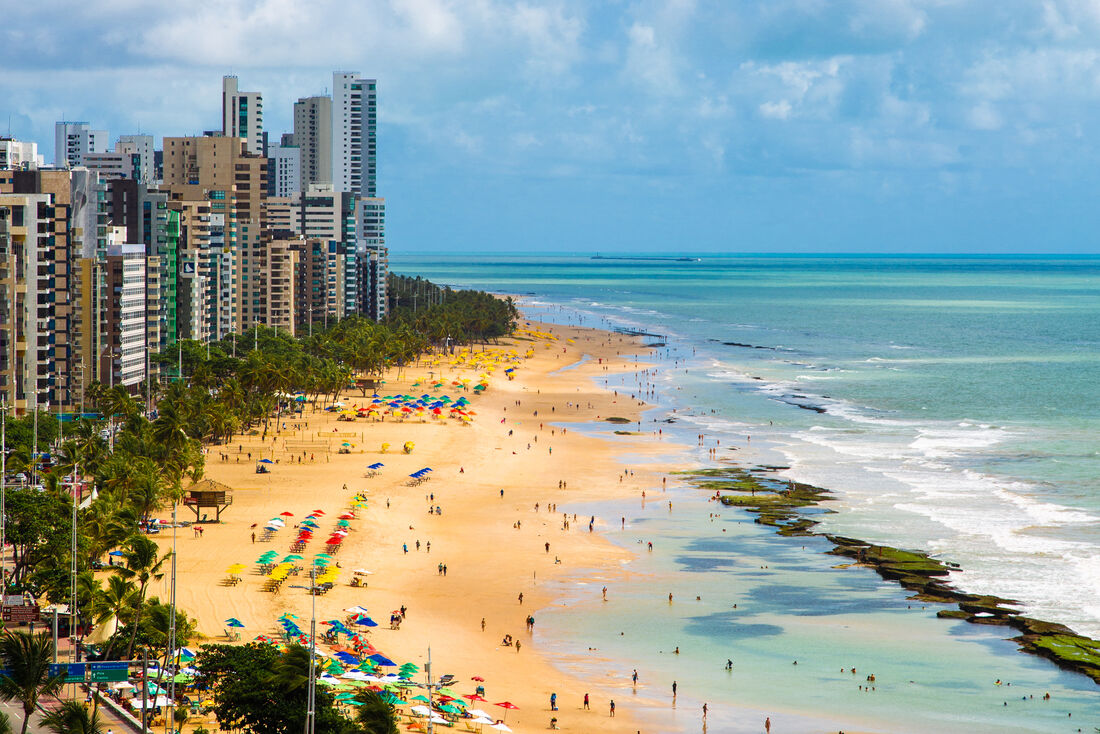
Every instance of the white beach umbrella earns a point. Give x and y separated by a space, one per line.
478 713
357 610
481 720
501 727
421 711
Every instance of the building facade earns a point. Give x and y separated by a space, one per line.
354 134
243 115
74 140
313 136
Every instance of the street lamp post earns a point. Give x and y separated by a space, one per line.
3 493
311 701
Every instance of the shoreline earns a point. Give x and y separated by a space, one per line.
471 465
1054 641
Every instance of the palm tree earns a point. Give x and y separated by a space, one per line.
73 718
5 724
291 670
375 715
146 486
27 678
114 602
142 565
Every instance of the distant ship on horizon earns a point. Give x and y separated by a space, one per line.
659 258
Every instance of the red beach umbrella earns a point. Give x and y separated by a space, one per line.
287 514
507 705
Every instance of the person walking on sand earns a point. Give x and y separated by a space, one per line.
704 713
768 724
605 593
553 702
586 706
612 706
634 678
674 689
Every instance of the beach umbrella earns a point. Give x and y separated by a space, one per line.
471 697
348 658
381 659
501 727
357 610
236 568
234 622
116 553
507 705
266 461
348 516
365 621
286 514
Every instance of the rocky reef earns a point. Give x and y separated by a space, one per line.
790 508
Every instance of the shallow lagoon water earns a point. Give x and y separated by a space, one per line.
792 604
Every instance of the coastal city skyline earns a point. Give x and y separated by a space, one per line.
784 126
545 365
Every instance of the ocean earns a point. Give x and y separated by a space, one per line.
950 405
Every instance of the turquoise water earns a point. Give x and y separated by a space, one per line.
950 403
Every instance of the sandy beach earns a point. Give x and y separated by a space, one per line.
494 481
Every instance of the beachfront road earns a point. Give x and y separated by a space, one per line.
14 712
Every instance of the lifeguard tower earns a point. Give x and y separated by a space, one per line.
208 494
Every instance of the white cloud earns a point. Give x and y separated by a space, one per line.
780 110
984 117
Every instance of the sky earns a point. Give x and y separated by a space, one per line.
951 126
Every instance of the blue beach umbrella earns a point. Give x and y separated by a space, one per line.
381 659
234 622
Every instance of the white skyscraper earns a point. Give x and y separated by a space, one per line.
73 140
354 134
243 115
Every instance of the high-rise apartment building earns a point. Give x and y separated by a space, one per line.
124 355
374 258
354 134
35 285
74 140
243 115
16 154
217 170
285 170
313 136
